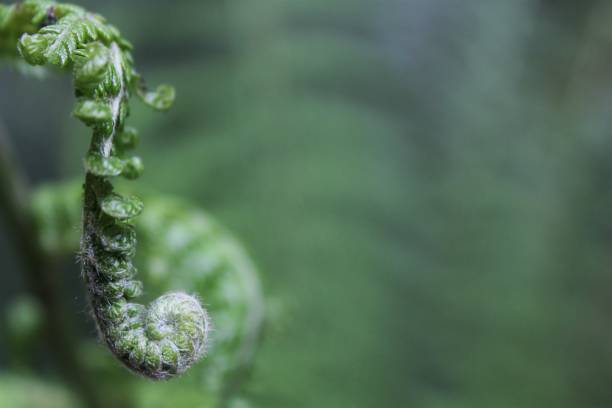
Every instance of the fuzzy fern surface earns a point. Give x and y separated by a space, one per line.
170 335
181 247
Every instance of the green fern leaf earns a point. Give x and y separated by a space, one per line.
161 99
93 111
91 66
57 43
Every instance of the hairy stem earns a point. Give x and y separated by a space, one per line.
168 337
41 272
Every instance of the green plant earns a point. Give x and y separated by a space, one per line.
169 336
180 246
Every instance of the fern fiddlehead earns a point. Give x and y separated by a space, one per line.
166 338
180 246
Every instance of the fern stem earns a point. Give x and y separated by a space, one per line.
165 339
41 272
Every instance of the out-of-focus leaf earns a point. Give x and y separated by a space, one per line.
161 99
28 392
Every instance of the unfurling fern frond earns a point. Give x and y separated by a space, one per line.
180 246
170 335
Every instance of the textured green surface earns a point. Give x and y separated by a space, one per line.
181 247
168 337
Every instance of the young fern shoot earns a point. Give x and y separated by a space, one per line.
166 338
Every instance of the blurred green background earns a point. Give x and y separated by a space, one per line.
425 186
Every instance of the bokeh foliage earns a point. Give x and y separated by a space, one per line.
423 184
